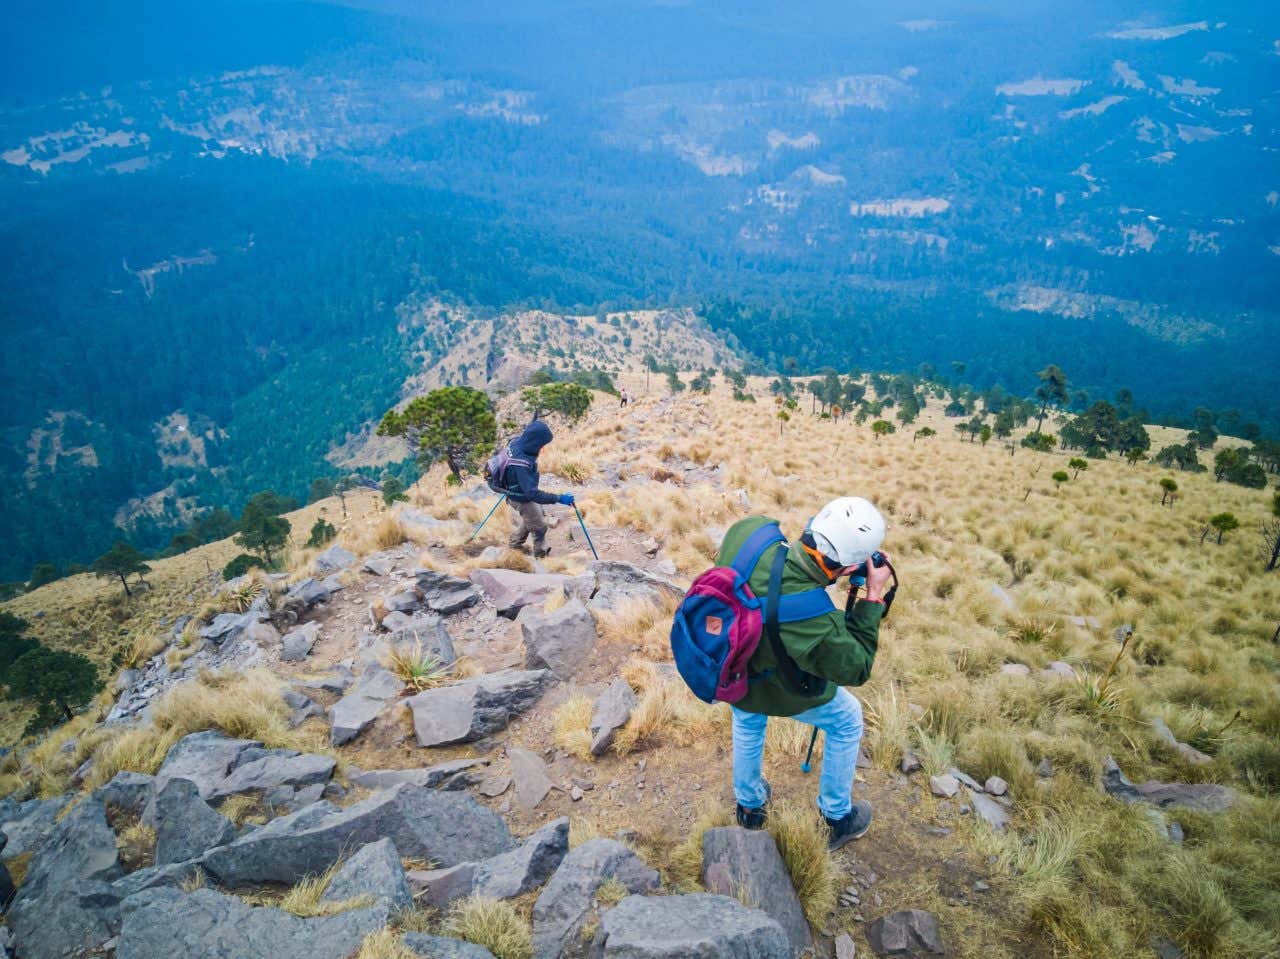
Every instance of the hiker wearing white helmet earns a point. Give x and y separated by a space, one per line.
810 651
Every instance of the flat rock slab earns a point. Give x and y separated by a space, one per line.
438 947
745 864
444 827
465 711
529 774
560 641
210 925
509 591
1202 797
990 811
447 775
526 867
296 644
356 711
684 927
617 582
610 713
910 932
567 901
333 559
944 786
26 825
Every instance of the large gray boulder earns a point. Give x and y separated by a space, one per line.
438 947
128 792
509 591
560 641
465 711
356 711
186 825
611 712
909 932
1201 797
333 559
617 582
80 846
698 926
566 902
27 825
296 644
211 925
445 594
309 592
7 888
172 875
375 873
77 918
222 767
443 827
454 774
439 888
746 865
526 867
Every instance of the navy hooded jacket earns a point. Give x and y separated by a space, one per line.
521 481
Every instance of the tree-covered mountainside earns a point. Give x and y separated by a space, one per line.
212 222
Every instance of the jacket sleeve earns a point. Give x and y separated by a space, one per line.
520 478
843 647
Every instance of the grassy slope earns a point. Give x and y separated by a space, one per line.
1087 875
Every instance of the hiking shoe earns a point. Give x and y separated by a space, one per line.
754 818
851 827
541 551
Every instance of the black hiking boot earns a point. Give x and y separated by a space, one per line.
754 818
851 827
540 551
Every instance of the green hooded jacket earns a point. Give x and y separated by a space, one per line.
840 647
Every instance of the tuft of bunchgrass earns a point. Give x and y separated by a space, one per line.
571 721
685 860
802 836
415 667
491 923
304 897
386 943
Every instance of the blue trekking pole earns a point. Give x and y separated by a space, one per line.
808 759
476 531
585 533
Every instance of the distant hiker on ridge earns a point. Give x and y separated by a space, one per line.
791 653
515 472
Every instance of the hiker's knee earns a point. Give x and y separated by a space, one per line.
747 726
848 715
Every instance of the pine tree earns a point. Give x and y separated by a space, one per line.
453 423
121 560
261 532
56 681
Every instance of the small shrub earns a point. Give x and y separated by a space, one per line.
416 668
241 565
801 835
322 531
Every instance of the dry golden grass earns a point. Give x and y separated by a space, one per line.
639 622
668 712
496 925
384 944
571 721
136 844
801 835
303 898
416 668
244 706
583 829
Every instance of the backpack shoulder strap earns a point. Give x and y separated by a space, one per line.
810 604
749 553
804 683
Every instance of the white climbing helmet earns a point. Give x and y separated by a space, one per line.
848 529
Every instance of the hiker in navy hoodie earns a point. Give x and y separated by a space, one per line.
520 481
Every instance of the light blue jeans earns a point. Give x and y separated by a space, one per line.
841 723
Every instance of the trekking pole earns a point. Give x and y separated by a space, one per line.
476 531
585 533
808 759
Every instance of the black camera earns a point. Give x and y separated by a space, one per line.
859 576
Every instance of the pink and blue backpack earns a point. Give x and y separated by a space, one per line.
718 625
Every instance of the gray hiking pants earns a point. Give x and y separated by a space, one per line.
528 520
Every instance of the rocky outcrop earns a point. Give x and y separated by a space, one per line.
526 867
186 825
26 825
465 711
205 923
373 873
443 827
746 865
509 591
356 711
445 594
560 641
566 902
222 767
617 582
128 792
423 632
667 927
296 644
333 559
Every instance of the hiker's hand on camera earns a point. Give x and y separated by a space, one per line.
878 578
